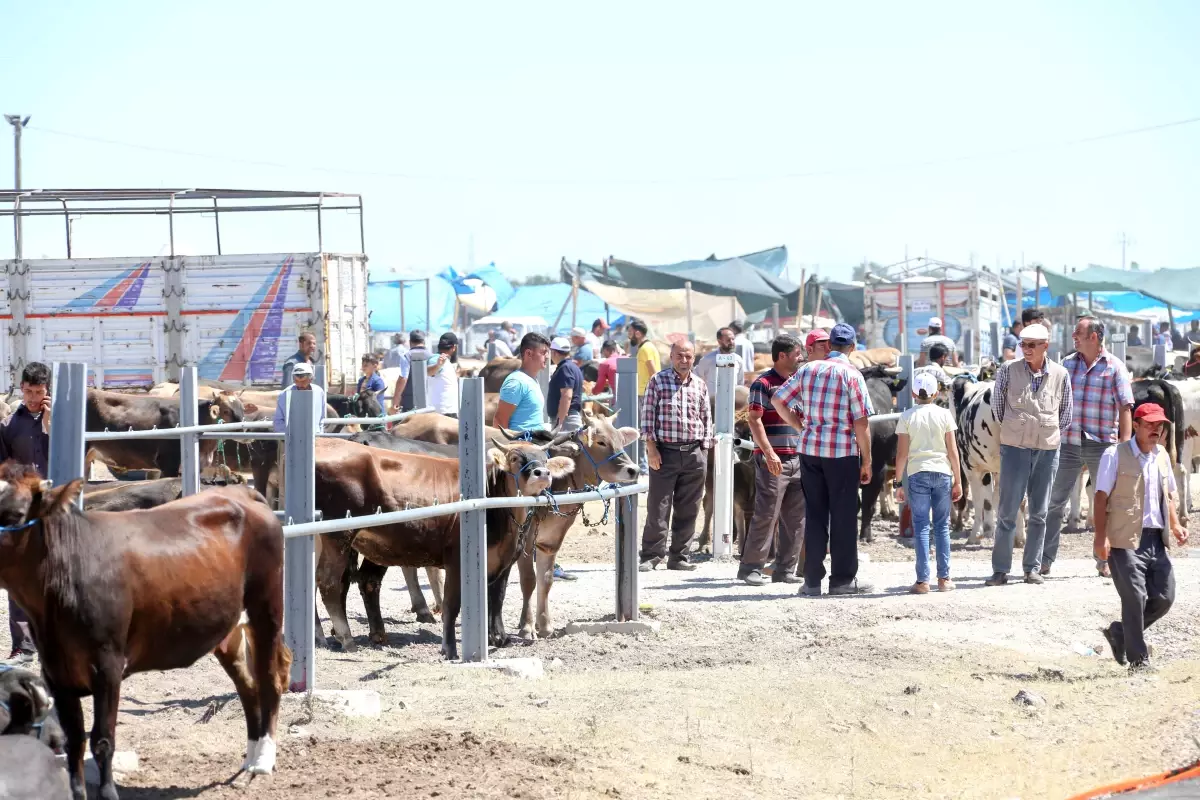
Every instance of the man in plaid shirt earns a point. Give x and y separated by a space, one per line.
831 398
1103 416
677 427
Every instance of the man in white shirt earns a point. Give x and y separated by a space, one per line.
742 345
596 337
1133 507
302 381
707 366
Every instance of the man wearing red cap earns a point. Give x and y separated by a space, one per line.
1134 503
816 345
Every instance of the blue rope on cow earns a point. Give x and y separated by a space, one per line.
15 528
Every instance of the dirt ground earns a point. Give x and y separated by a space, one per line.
744 692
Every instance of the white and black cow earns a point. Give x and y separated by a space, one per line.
978 438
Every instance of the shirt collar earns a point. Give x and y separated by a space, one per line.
682 381
836 355
1137 451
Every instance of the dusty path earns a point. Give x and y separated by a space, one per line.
745 692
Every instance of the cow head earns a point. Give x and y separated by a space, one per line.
599 450
365 404
529 467
225 406
22 494
987 372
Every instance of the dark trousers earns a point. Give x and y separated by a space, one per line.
19 629
1146 584
676 486
778 506
831 493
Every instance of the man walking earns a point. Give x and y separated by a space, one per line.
1032 402
779 495
307 354
522 407
835 457
648 365
1134 503
706 367
937 337
677 427
25 437
564 396
402 394
1102 403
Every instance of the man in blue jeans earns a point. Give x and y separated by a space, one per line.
1032 401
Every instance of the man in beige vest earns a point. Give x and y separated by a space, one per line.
1135 501
1032 402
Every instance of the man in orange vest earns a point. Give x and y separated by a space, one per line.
1134 504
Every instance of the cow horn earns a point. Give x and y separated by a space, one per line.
499 444
507 436
560 438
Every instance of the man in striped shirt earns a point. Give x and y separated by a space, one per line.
778 495
677 427
835 457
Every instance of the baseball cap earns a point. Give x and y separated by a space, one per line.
560 343
603 325
1035 332
842 334
926 381
816 335
578 332
1150 412
303 368
935 322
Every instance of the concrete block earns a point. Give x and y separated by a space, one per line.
124 762
349 702
631 628
530 668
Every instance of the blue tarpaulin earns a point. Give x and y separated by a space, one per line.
496 282
547 301
383 302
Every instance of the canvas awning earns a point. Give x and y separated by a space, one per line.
1179 288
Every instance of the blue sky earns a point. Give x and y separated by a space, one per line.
652 131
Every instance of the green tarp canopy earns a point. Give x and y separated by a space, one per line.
1179 288
746 277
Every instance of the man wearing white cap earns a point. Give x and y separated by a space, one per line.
302 381
1032 401
937 337
583 348
564 395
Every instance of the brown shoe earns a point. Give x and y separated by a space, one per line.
920 587
945 585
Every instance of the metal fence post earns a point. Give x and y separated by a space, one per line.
722 528
1147 333
544 383
189 443
969 347
628 415
1117 346
68 413
472 481
904 397
419 379
994 339
299 554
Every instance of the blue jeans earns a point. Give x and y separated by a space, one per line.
1023 471
926 491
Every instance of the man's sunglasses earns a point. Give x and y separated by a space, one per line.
1030 345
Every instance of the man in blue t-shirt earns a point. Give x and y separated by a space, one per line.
522 407
583 348
564 398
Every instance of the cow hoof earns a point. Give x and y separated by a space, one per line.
378 638
347 645
426 616
435 609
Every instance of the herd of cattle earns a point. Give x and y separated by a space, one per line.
415 464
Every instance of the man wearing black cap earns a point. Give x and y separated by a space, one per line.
1134 504
831 398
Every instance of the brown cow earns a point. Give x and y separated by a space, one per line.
114 594
357 480
496 370
110 411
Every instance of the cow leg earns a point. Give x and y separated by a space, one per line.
525 569
434 575
233 654
451 604
497 587
984 505
544 571
870 493
887 501
106 696
370 582
416 597
333 582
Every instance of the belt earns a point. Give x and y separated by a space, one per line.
685 447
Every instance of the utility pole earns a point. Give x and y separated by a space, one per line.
1125 241
18 125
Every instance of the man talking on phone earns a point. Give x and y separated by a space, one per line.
25 437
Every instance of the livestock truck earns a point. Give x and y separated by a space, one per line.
136 320
897 314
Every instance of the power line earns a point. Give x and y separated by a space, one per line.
760 178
